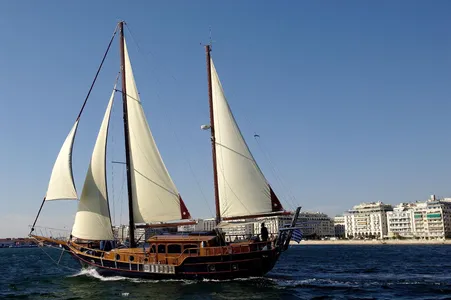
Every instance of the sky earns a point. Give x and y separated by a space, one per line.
351 99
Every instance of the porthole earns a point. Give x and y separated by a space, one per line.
131 258
212 268
234 267
146 259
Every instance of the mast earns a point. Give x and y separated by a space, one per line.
212 132
131 228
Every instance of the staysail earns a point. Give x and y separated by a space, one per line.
61 184
92 221
155 196
243 189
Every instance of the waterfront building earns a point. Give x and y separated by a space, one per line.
432 219
239 231
120 232
273 224
201 225
400 221
315 225
141 234
339 226
367 220
311 224
429 219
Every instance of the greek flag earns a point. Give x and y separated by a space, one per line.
296 235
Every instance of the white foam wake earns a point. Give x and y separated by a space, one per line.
92 272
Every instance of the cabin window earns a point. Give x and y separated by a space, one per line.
131 258
194 250
161 248
174 248
152 249
118 257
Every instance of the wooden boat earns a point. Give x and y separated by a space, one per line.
241 192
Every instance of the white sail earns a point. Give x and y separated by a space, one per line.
61 184
243 189
155 197
92 221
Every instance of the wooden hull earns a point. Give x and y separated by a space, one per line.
254 264
189 261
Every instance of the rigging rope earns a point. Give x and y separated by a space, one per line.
171 124
57 262
290 199
98 71
83 106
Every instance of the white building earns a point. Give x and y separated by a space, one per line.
315 225
121 232
400 221
367 220
238 231
432 219
311 224
273 224
422 219
201 225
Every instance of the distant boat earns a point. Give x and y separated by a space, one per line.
241 192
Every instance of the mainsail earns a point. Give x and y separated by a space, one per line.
155 196
61 184
92 221
243 189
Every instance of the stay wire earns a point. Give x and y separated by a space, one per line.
290 199
287 197
85 101
97 73
172 125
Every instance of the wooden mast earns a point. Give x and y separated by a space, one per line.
131 228
212 131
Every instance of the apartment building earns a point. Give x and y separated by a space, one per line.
400 221
315 225
367 220
272 223
340 226
201 225
432 219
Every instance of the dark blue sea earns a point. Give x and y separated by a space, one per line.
303 272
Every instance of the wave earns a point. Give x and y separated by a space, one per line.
281 282
92 272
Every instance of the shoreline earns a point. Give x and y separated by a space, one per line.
374 242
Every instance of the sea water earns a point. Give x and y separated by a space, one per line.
303 272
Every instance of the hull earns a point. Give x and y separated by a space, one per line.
230 266
192 256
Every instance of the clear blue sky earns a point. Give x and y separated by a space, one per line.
351 98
